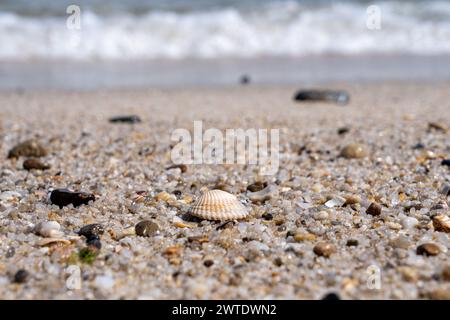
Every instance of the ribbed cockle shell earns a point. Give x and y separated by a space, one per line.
218 205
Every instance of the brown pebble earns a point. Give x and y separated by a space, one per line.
374 209
323 249
257 186
21 276
446 273
441 223
352 243
208 263
64 197
28 148
428 249
35 164
146 228
354 151
438 294
182 167
437 126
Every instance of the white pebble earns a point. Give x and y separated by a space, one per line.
409 222
104 282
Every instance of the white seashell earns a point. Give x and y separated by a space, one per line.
49 229
218 205
267 193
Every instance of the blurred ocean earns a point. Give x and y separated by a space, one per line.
213 42
175 29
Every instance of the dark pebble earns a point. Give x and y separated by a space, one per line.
267 216
94 242
331 296
428 249
257 186
29 148
226 225
419 146
125 119
35 164
182 167
146 228
374 209
245 79
340 97
10 252
352 243
91 231
64 197
21 276
208 263
278 262
343 130
446 162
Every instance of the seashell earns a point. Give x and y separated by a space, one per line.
218 205
49 229
48 241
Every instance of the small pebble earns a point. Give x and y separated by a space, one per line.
48 229
64 197
10 252
354 151
21 276
446 190
267 216
446 162
446 273
331 296
91 231
257 186
29 148
374 209
245 79
94 242
35 164
409 222
400 242
323 249
208 263
146 228
182 167
343 130
441 223
428 249
352 243
418 146
125 119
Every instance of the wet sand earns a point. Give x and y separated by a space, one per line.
265 256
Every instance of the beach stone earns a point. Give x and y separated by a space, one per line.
146 228
35 164
94 242
131 119
428 249
28 148
314 95
10 252
269 192
374 209
437 126
445 162
267 216
244 79
418 146
438 294
446 190
441 223
352 243
409 222
343 130
208 263
65 197
49 229
182 167
91 231
446 273
400 242
21 276
354 151
257 186
331 296
324 249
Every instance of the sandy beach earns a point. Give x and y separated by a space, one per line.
295 245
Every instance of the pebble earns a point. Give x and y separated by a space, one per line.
446 162
301 236
428 249
337 96
343 130
49 229
182 167
321 215
35 164
91 231
335 202
104 282
257 186
446 190
94 242
446 273
265 194
331 296
437 126
354 151
146 228
126 119
409 222
29 148
323 249
208 263
10 252
64 197
245 79
374 209
21 276
352 243
441 223
267 216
